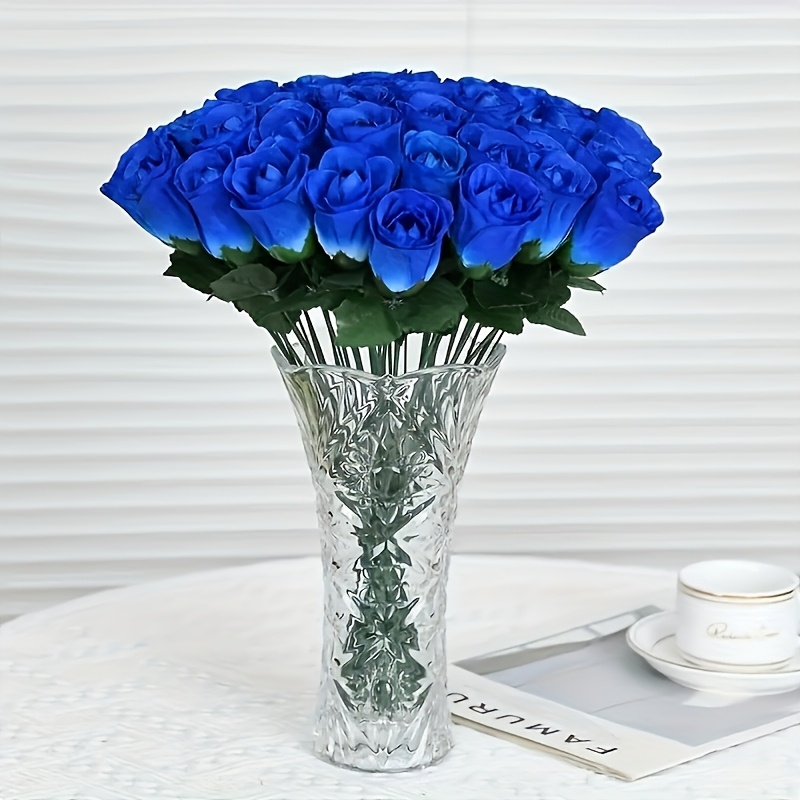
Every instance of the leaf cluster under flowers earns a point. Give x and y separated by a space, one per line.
275 295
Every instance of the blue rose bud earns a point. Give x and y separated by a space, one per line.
488 104
267 190
630 135
289 119
373 128
343 190
143 185
424 111
611 224
485 143
253 93
370 77
496 207
218 123
199 179
606 149
432 163
408 228
538 142
336 95
565 186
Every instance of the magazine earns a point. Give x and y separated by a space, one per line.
585 695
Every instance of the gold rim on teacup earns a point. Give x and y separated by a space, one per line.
703 594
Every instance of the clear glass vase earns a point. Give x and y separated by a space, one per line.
386 455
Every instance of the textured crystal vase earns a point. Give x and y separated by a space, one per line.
386 455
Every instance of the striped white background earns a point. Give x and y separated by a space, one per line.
144 432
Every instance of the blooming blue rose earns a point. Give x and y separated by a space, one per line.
489 104
343 190
565 186
630 135
267 190
495 210
374 128
216 124
250 94
143 185
485 143
432 163
408 227
199 179
289 119
432 112
612 223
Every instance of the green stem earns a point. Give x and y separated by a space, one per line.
320 353
468 328
337 356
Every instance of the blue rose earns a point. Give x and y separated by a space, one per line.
218 123
485 143
306 87
529 98
374 128
253 93
289 119
424 111
343 190
489 104
432 163
565 186
408 227
267 190
336 95
199 179
496 207
631 137
612 223
538 142
609 152
143 185
370 77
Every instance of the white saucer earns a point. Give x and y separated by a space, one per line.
653 638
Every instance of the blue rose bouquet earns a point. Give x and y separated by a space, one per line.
395 204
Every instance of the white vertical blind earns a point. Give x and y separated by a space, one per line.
144 431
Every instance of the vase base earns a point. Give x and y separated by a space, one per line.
366 760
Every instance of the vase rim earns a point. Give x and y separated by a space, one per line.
489 364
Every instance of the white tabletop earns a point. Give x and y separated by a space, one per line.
203 687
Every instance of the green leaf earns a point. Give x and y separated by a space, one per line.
508 319
364 322
198 271
268 313
489 294
436 308
249 280
343 280
586 283
558 318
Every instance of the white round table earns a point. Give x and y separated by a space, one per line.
202 688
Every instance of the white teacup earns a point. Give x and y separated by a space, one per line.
737 615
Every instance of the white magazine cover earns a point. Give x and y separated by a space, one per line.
586 695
